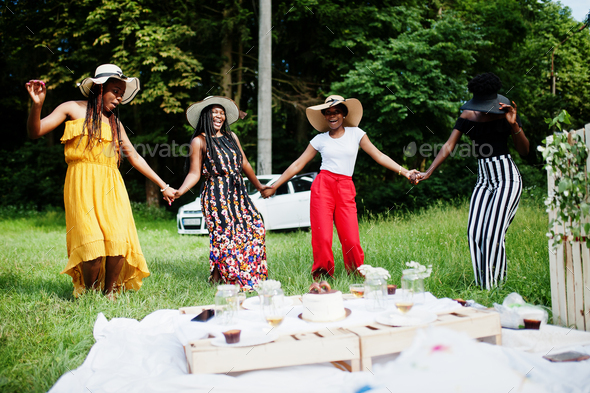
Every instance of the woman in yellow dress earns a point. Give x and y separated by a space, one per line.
103 247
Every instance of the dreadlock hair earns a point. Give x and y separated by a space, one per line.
485 84
205 126
93 122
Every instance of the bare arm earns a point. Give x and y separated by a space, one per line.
247 168
36 127
196 161
442 155
293 169
383 159
142 166
521 142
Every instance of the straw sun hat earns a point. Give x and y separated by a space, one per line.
232 112
352 119
487 103
106 71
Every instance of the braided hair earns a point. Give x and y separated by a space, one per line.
485 84
205 127
93 121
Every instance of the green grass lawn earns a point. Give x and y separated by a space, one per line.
45 332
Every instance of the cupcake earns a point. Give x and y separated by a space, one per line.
232 336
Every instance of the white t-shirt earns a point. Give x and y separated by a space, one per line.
339 155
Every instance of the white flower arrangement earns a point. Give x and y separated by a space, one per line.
370 271
419 270
268 285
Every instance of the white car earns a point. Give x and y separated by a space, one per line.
288 208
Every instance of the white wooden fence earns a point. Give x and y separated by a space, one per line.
570 270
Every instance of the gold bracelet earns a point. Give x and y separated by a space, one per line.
400 170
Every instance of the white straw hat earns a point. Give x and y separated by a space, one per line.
106 71
232 112
353 118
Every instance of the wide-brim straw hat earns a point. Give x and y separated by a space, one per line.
106 71
488 103
352 119
232 112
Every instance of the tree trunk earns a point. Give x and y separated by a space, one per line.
238 95
152 192
226 55
264 165
302 126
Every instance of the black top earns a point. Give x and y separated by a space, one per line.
489 138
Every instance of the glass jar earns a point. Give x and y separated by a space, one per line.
375 293
226 304
413 285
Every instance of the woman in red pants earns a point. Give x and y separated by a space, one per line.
332 191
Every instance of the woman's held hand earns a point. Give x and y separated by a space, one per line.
169 195
267 192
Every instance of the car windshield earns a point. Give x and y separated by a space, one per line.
250 187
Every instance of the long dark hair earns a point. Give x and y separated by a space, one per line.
93 122
205 126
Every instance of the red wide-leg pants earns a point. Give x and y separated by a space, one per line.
332 201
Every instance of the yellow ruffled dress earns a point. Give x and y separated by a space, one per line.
99 220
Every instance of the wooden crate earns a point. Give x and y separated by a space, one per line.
569 268
377 339
327 345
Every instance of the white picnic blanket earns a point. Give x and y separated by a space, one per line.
148 356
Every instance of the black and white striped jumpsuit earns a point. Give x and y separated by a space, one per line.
494 200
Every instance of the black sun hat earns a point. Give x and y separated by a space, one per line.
487 103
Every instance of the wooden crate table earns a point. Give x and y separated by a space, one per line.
336 345
351 347
333 345
377 339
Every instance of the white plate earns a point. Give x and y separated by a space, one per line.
253 303
247 339
412 318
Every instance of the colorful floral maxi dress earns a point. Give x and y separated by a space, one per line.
236 230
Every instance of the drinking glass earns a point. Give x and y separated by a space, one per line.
273 307
406 301
358 290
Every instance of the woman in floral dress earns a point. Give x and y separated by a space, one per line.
236 231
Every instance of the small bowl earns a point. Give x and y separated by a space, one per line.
232 336
532 324
391 289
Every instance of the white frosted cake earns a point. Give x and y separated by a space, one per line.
323 307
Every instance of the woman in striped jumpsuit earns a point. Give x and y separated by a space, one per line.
488 120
